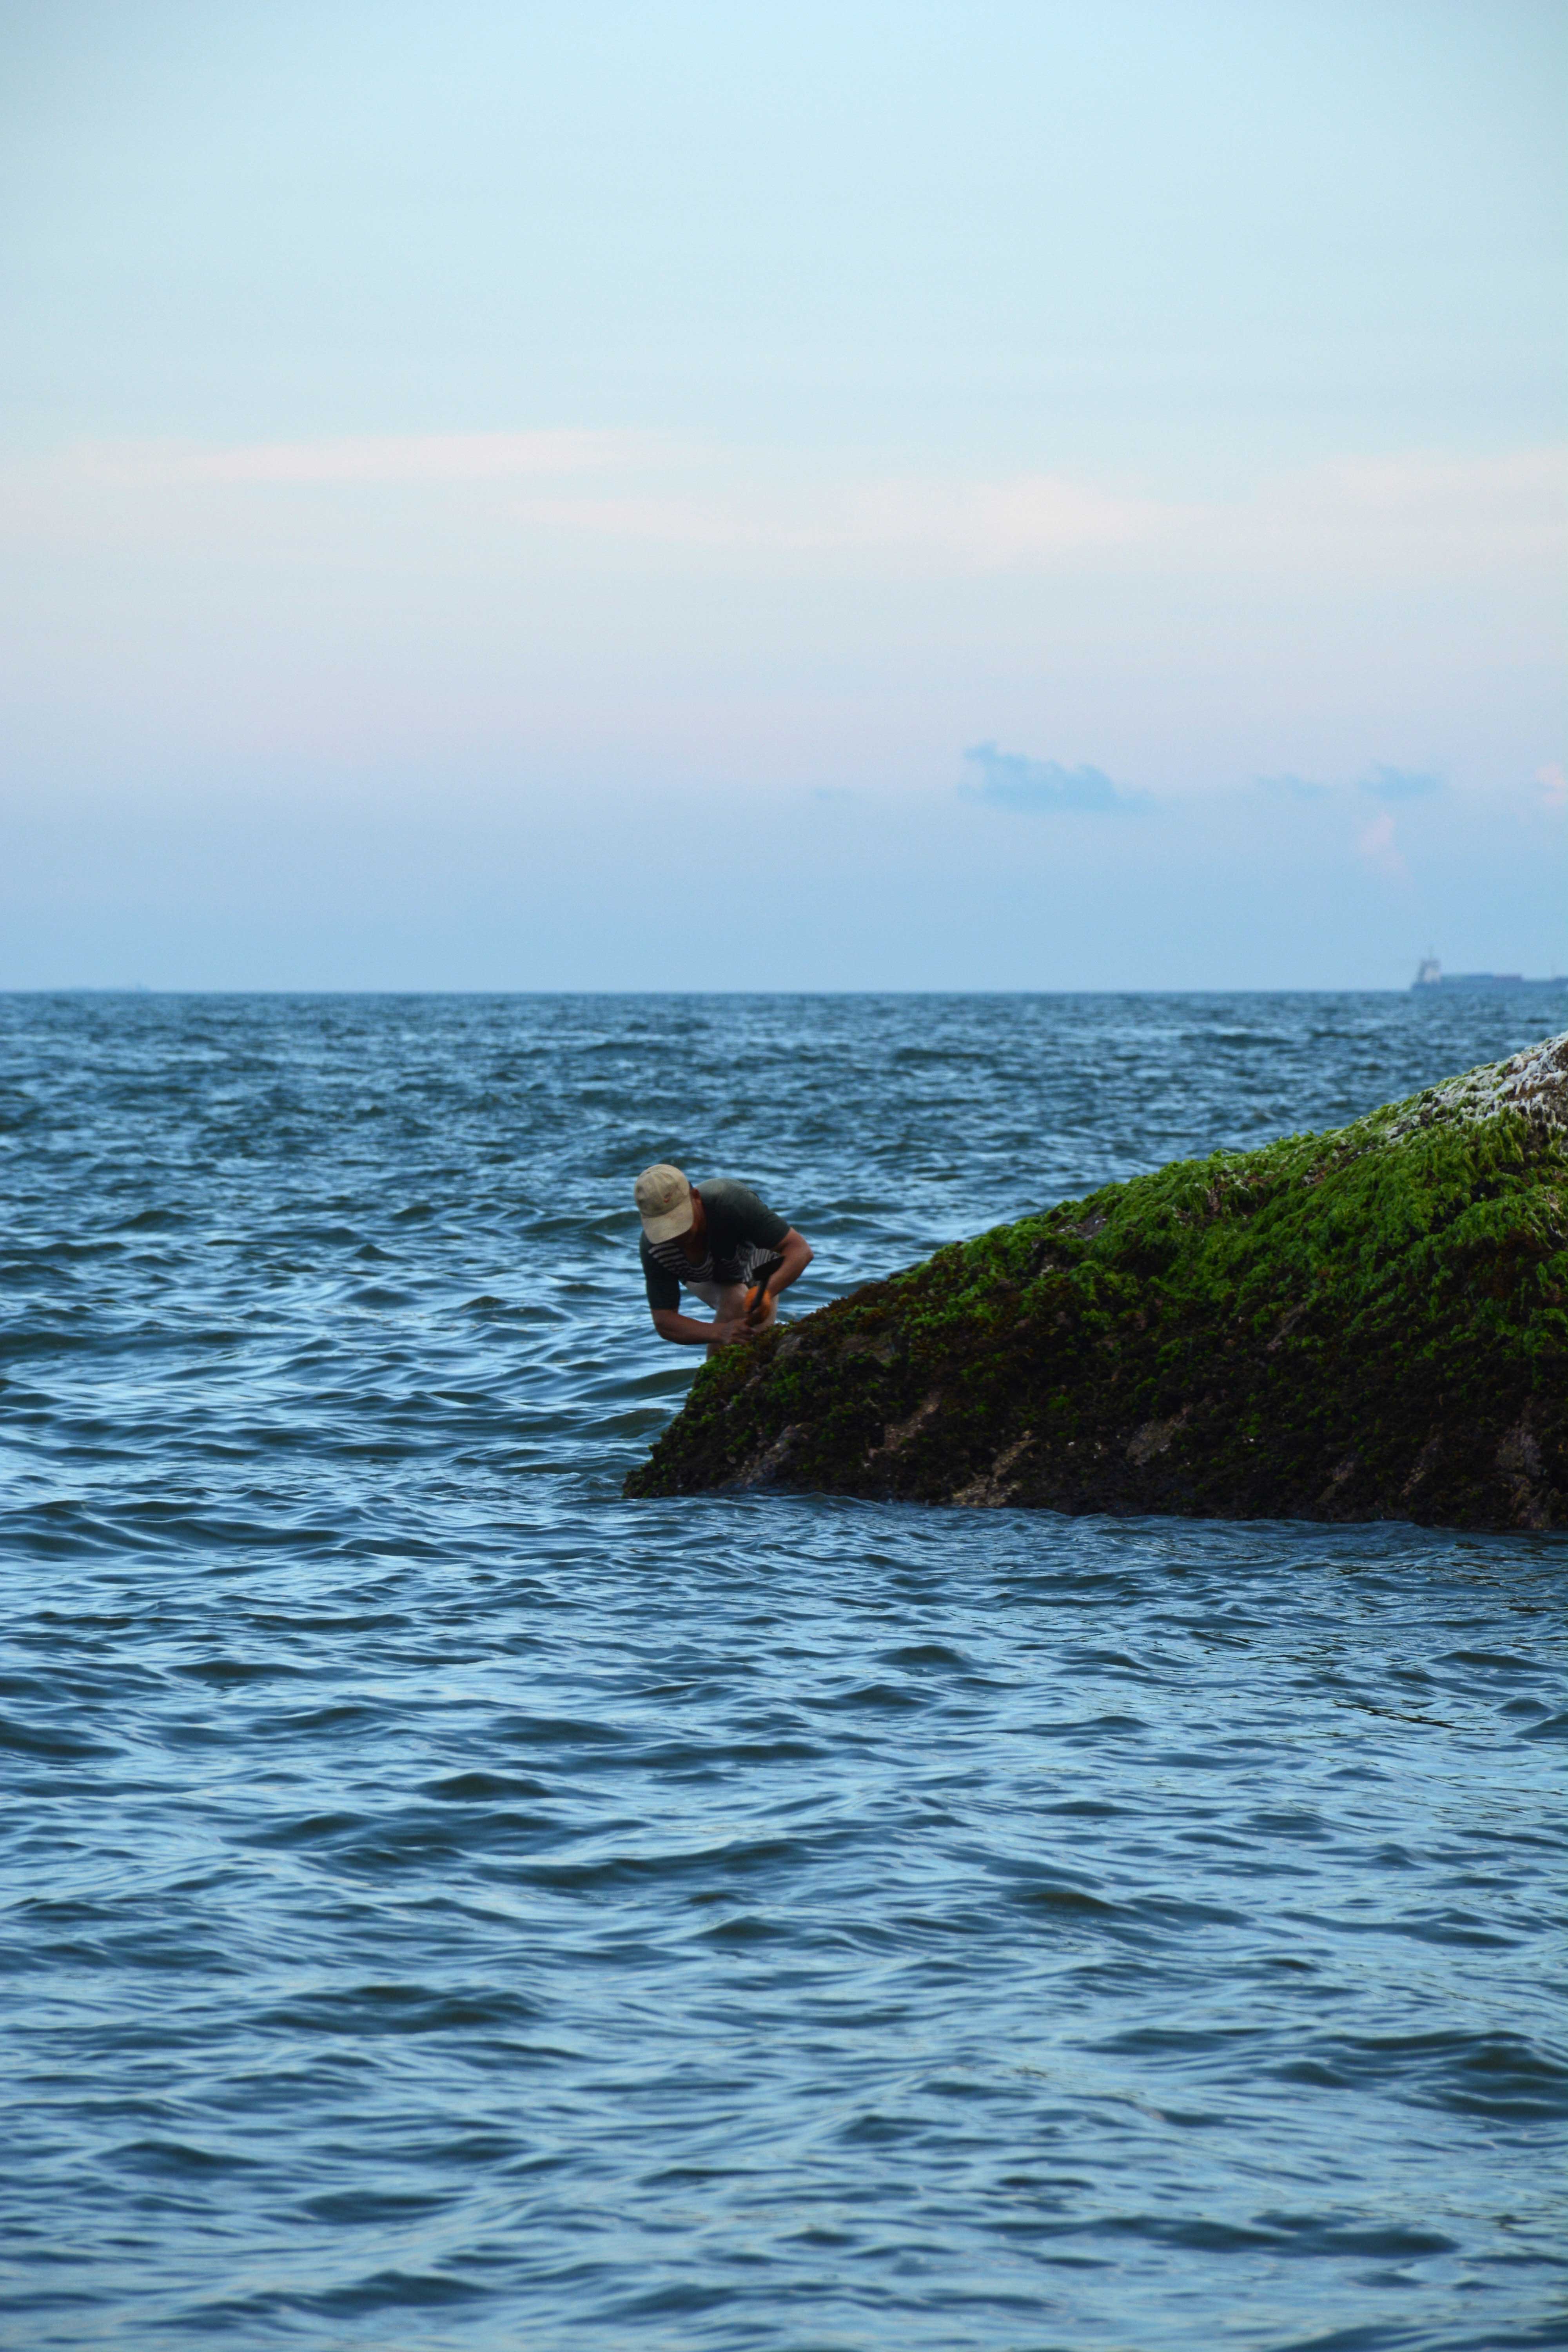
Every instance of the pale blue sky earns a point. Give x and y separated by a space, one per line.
510 496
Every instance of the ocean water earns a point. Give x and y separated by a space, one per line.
445 1905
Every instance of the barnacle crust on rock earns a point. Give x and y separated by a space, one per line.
1367 1324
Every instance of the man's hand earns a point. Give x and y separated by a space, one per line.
686 1331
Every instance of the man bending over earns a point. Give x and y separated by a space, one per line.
720 1241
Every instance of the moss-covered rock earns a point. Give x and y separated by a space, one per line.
1367 1324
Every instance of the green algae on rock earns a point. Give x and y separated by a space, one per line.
1367 1324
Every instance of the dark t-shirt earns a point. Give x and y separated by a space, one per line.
743 1235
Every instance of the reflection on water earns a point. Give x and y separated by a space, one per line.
448 1906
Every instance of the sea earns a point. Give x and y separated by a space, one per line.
445 1905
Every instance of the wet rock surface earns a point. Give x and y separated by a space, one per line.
1367 1324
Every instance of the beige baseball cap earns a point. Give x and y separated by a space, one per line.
664 1202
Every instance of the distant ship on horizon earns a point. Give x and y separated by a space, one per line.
1429 973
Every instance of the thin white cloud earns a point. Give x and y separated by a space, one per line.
1416 512
1017 519
1414 516
1025 521
1533 483
649 489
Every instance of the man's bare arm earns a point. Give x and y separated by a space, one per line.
685 1330
794 1256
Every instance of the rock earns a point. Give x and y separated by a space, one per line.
1369 1324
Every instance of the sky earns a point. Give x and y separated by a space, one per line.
974 496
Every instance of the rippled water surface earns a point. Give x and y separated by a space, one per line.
445 1905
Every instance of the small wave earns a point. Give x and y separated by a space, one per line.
1503 2077
61 1743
